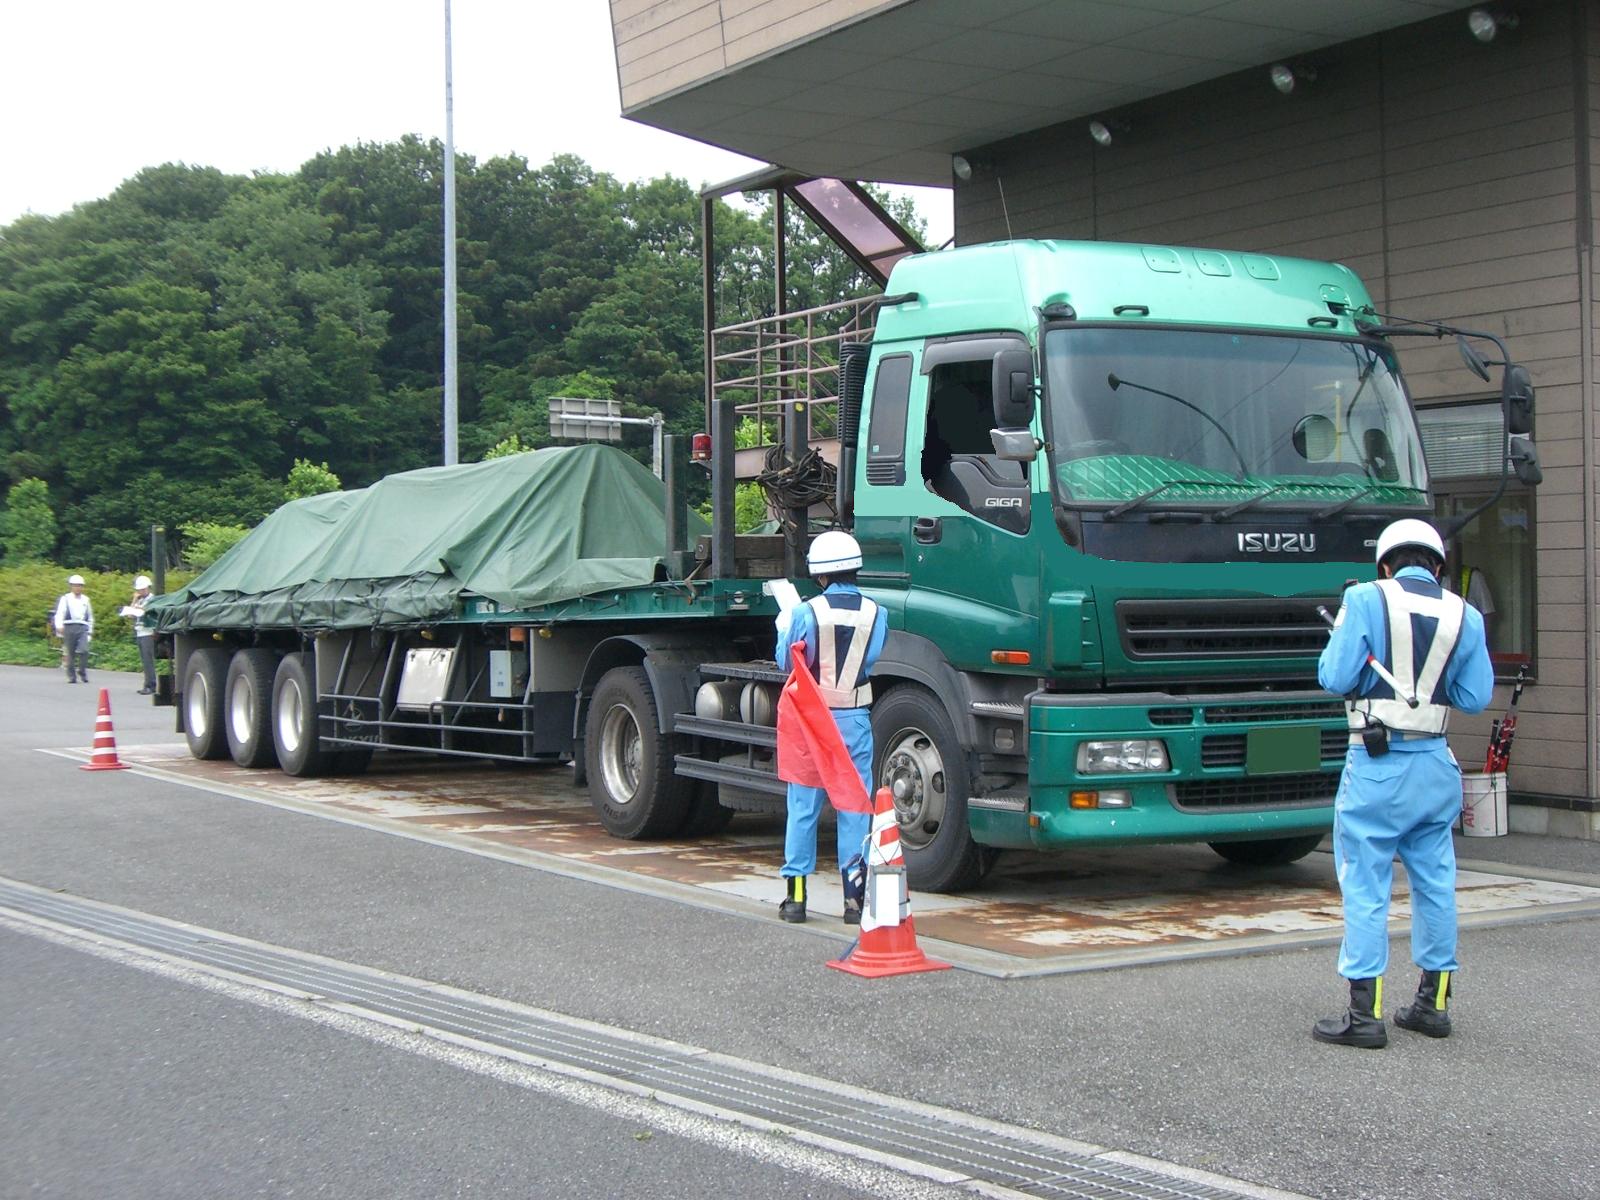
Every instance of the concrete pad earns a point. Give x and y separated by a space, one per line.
1036 914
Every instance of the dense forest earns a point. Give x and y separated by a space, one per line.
169 352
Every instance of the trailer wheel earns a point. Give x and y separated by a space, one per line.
629 762
1269 852
204 677
247 707
921 762
295 728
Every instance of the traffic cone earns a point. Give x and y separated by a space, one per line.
888 942
104 756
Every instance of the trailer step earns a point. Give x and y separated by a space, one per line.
750 778
760 672
728 731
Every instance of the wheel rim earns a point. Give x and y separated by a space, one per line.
914 773
291 713
197 706
241 710
620 751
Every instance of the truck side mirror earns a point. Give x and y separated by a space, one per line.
1013 388
1516 393
1525 460
1472 358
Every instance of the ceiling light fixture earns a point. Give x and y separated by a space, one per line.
961 167
1103 132
1286 77
1485 24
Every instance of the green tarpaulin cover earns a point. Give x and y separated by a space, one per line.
532 529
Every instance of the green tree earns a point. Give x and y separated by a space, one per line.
28 525
307 478
206 541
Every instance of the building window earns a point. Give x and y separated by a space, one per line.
1491 562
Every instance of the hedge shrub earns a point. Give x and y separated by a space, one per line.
28 596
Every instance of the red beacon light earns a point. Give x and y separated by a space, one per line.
700 447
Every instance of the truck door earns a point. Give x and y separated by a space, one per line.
971 565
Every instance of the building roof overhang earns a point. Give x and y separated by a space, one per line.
891 96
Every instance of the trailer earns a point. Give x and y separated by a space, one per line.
1101 491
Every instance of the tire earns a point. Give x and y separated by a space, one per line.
920 760
247 708
706 817
204 678
295 728
630 763
1270 852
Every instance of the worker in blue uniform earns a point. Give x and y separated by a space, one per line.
1401 788
843 632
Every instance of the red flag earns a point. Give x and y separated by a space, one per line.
810 750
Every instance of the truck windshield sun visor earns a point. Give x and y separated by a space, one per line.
1226 421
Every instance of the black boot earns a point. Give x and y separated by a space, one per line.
1426 1014
854 874
793 907
1362 1024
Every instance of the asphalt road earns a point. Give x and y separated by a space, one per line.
116 1081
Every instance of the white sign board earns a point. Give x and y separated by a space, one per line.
585 420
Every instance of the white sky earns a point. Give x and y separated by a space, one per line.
93 90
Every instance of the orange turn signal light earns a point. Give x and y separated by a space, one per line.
1083 799
1015 658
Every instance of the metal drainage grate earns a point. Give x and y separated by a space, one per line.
982 1151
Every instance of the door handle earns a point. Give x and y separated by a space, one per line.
927 530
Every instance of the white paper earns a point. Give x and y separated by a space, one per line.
783 592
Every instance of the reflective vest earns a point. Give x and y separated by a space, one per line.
843 634
1424 626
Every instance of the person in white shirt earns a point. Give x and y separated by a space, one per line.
75 625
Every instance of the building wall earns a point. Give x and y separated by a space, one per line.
1455 178
663 45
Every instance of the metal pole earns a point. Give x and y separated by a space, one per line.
797 529
158 558
673 494
656 424
722 483
709 300
450 454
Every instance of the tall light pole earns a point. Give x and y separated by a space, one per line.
450 455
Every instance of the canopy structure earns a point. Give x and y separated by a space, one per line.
527 530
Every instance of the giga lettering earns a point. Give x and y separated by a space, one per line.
1278 543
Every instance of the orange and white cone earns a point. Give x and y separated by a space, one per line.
888 942
104 757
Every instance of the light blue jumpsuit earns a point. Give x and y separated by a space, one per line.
855 727
1404 801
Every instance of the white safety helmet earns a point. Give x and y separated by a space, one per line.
1409 532
834 551
72 579
140 582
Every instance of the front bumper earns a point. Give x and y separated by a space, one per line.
1223 781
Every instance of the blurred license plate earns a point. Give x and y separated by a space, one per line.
1286 751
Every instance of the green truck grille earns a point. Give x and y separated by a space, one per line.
1278 791
1228 749
1156 630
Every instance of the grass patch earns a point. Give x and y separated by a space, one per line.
23 650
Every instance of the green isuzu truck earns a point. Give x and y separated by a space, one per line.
1101 491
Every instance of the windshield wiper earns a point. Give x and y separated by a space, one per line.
1129 505
1333 510
1114 381
1222 514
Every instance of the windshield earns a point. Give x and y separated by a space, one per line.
1164 417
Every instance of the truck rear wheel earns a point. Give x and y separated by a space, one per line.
921 762
1269 852
295 728
204 677
630 762
247 707
706 815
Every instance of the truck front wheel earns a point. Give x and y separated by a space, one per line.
204 676
630 762
247 707
921 762
1269 852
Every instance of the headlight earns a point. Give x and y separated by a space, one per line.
1136 754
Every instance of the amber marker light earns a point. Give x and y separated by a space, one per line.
1013 658
1083 800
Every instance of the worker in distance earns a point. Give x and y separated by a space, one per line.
1403 653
